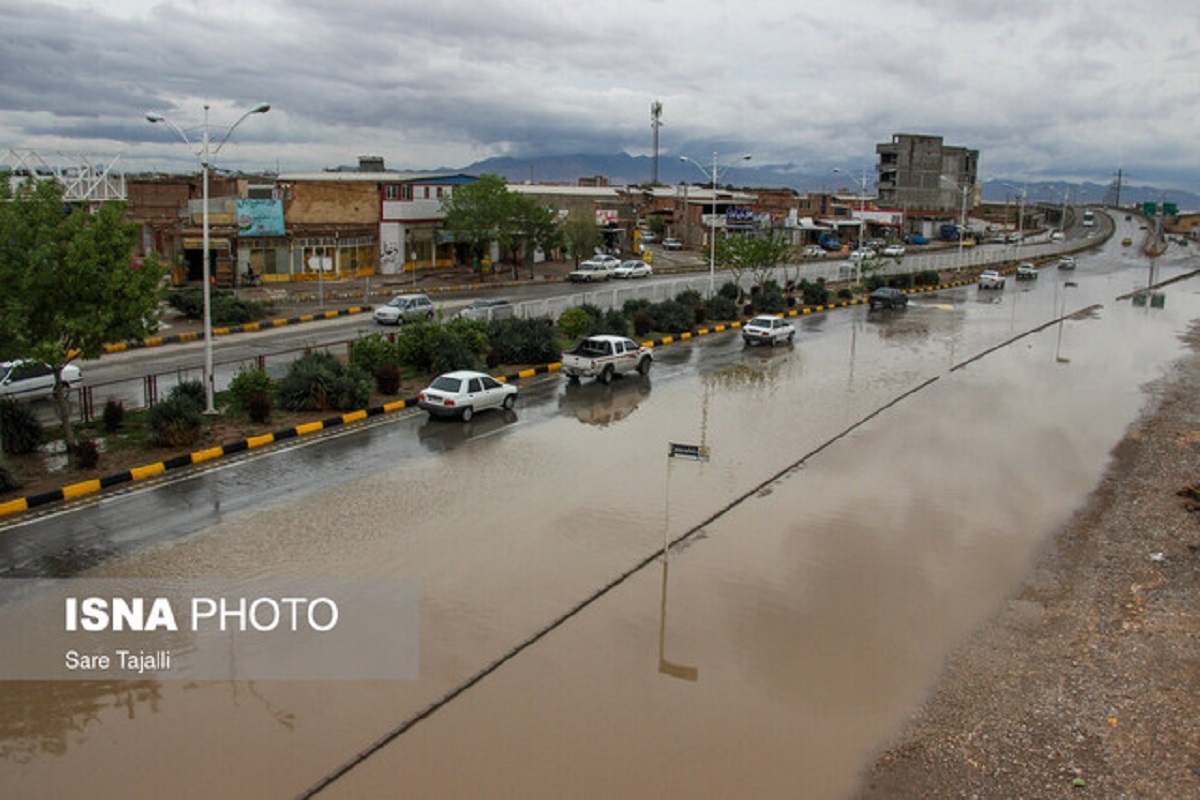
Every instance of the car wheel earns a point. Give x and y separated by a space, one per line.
791 337
466 414
606 375
644 365
509 402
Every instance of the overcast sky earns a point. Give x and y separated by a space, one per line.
1045 90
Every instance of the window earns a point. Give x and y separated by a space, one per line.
406 192
391 192
474 386
426 192
439 192
488 383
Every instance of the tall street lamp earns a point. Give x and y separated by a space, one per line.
862 222
204 155
962 220
712 235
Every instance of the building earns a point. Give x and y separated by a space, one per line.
921 174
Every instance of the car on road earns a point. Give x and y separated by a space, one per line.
633 268
612 262
887 297
1056 236
591 271
405 308
1013 238
915 238
766 329
813 251
487 309
991 279
25 379
1066 262
1126 242
671 243
604 356
463 393
1026 271
648 236
862 255
893 250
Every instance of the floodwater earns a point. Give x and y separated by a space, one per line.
866 505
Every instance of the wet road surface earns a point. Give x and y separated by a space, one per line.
866 505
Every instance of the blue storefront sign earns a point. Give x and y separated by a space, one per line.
260 217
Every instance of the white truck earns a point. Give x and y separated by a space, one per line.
604 356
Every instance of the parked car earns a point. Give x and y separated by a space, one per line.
1066 262
634 268
887 297
648 236
770 330
893 250
25 379
404 308
1056 236
671 243
991 279
462 393
604 356
1026 271
487 309
813 251
590 272
612 262
915 238
1013 238
862 255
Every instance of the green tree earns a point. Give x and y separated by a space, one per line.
527 227
581 235
69 284
477 212
754 256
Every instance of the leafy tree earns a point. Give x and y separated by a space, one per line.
582 236
754 256
69 285
475 213
530 226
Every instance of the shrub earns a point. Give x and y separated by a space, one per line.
189 392
319 382
86 454
575 323
523 341
814 294
258 407
616 323
415 345
471 332
671 316
20 430
642 324
730 291
874 282
690 298
901 281
721 308
175 422
633 307
451 352
844 293
928 277
373 351
387 379
8 481
113 416
226 307
770 299
248 383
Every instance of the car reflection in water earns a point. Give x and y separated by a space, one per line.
441 435
593 403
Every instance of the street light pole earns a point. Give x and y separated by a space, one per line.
712 235
862 222
205 157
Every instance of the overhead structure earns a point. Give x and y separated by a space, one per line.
87 177
655 123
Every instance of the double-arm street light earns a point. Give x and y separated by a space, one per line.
712 236
862 221
205 155
962 221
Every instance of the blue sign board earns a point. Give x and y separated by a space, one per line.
260 217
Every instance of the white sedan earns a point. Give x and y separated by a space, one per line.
633 269
462 393
26 379
894 250
770 330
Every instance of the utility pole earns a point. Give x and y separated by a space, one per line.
655 123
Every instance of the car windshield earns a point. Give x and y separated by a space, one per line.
446 384
761 322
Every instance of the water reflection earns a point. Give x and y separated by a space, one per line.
593 403
444 435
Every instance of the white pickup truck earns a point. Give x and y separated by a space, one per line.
604 356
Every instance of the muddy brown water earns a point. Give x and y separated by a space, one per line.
772 654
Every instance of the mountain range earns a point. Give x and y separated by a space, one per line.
622 169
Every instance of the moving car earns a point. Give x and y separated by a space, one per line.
862 255
767 329
893 250
26 379
915 238
405 308
604 355
487 309
887 297
671 243
1066 262
648 236
590 272
813 251
1026 271
1126 241
634 268
991 279
463 392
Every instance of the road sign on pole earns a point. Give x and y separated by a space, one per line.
696 452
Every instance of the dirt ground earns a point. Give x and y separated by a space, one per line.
1087 682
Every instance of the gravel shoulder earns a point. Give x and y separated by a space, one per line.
1087 682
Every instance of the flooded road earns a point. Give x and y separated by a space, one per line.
868 501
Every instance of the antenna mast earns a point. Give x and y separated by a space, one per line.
655 123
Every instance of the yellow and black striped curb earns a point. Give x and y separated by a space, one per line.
89 487
249 327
